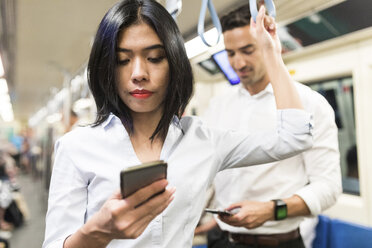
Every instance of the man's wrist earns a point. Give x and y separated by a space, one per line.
280 209
271 209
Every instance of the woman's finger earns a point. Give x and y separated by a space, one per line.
116 195
145 193
144 214
130 223
147 212
157 204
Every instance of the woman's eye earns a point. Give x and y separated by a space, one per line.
123 62
156 59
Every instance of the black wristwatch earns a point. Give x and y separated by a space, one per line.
280 210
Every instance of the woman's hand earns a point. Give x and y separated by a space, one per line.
121 219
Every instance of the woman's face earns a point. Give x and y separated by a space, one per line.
142 69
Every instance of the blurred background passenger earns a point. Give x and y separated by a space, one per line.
72 121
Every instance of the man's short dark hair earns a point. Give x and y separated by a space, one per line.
103 60
239 17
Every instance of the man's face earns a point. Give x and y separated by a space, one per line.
244 56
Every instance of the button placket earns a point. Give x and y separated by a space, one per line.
157 231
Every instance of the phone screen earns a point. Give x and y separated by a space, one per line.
139 176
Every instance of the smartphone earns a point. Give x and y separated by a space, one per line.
223 212
218 211
135 177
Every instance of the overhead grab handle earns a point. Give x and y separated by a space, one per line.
270 7
215 20
174 7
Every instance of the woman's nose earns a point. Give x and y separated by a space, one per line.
139 71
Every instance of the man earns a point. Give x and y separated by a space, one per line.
272 199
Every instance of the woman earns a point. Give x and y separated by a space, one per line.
141 79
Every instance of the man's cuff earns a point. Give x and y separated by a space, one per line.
296 121
311 200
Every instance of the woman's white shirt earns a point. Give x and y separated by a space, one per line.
88 162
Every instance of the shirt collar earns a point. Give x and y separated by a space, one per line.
268 90
112 118
108 121
176 121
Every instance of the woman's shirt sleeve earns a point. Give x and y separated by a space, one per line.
67 198
292 136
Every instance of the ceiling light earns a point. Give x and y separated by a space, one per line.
54 118
196 46
81 104
38 117
7 116
3 86
4 101
315 18
1 68
6 110
76 83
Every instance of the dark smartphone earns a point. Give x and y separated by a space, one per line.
136 177
219 212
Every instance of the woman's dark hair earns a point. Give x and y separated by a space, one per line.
239 17
103 59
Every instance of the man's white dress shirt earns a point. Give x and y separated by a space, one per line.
314 175
88 162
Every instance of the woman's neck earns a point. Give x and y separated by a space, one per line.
144 125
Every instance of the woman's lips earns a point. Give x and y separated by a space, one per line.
141 94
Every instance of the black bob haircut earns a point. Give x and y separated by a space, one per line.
103 62
236 18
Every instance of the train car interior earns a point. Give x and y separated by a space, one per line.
44 50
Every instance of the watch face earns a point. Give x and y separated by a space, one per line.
280 209
281 212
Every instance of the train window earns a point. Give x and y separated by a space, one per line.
210 66
339 94
327 24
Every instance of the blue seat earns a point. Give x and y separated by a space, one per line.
334 233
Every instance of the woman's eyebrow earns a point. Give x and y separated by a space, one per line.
152 47
157 46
